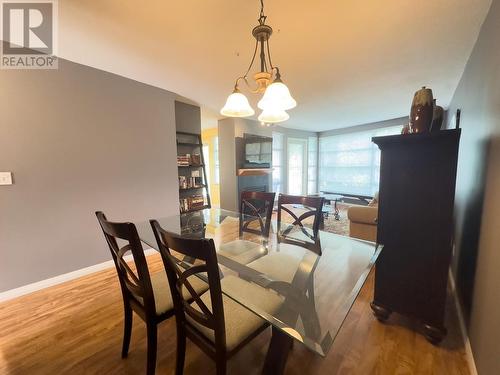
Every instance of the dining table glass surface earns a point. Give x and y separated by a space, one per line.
301 283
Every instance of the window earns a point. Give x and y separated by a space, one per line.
350 163
312 165
277 162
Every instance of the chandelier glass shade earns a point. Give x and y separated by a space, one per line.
272 116
237 106
277 95
277 98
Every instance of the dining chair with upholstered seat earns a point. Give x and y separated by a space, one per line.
296 231
214 322
148 295
256 210
256 207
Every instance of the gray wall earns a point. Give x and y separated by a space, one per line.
227 165
477 253
78 140
187 118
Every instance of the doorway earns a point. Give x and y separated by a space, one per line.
297 166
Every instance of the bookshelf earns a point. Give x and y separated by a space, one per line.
192 176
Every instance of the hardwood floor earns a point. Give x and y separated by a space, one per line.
76 328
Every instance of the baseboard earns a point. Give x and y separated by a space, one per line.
39 285
463 329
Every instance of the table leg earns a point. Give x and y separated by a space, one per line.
337 213
277 353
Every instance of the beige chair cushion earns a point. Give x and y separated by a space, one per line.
242 251
162 294
239 321
278 266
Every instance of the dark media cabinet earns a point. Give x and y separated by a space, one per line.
415 224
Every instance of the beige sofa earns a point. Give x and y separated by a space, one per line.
363 220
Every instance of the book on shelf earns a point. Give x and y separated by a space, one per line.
195 159
188 159
186 182
190 203
183 160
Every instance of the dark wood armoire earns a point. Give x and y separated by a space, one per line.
415 225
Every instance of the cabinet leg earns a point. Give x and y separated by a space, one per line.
434 334
381 313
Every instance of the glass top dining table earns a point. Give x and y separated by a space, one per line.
303 285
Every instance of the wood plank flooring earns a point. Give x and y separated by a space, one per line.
76 328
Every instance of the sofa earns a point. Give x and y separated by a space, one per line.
363 220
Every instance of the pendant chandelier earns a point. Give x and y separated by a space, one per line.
276 99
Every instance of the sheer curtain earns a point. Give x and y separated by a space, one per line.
312 165
277 162
350 163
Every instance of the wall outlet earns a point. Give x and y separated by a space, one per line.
5 178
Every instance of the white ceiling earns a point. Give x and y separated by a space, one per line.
346 62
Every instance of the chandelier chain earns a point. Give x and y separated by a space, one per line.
262 17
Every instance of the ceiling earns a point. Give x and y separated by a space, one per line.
345 62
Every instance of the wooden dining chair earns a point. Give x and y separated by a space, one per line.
214 322
256 210
256 207
146 294
295 206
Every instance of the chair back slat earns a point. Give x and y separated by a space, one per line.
136 283
256 206
133 282
202 260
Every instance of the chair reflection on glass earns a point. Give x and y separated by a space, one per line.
300 209
292 271
256 209
214 322
193 224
